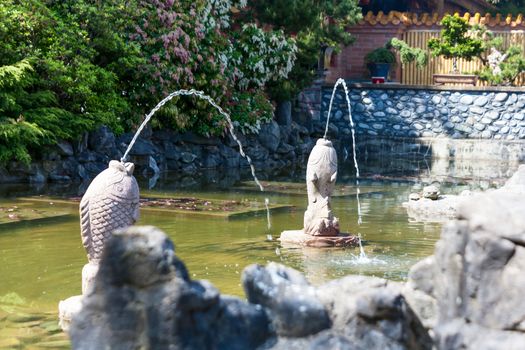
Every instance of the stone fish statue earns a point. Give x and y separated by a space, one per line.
110 202
321 173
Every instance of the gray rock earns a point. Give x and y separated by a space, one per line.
144 298
477 110
270 136
405 113
291 301
190 137
486 120
421 109
283 113
143 147
373 312
483 285
486 134
359 107
492 115
102 139
500 97
436 99
418 126
479 126
64 148
516 184
459 334
481 101
187 157
466 100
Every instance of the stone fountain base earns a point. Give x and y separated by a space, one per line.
298 237
68 308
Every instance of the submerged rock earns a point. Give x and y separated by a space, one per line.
430 192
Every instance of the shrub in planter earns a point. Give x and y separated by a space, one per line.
378 62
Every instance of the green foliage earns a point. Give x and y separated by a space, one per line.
50 87
314 24
455 42
380 55
192 45
509 69
409 54
67 66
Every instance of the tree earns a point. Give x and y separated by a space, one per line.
50 88
455 42
314 24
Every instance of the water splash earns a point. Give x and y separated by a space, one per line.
362 254
362 258
341 81
226 116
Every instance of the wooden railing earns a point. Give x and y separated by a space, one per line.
438 65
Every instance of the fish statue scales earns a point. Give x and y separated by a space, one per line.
321 174
110 202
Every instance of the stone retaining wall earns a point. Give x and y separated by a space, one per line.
391 121
414 113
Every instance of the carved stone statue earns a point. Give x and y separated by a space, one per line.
110 202
321 173
321 227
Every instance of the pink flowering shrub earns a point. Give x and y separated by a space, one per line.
191 44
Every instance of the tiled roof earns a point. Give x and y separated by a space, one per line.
426 19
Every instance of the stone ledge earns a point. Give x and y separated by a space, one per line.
399 86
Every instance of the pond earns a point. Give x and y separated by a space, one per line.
41 259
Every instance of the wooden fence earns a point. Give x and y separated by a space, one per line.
438 65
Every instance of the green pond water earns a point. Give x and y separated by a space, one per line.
41 259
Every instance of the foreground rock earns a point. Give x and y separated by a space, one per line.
516 184
468 295
475 279
143 297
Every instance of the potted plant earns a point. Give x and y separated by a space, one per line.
378 62
455 42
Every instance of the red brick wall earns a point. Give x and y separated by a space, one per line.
376 29
349 63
